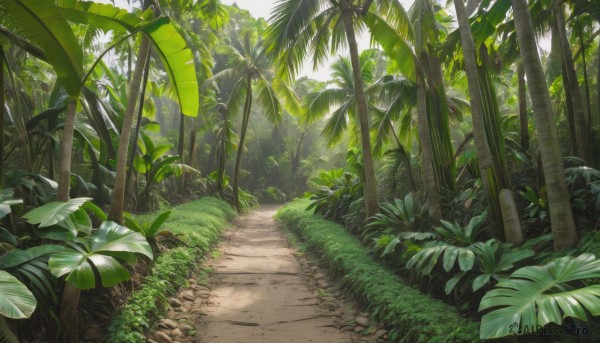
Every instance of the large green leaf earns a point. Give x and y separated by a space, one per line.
157 224
103 16
394 34
179 65
426 259
31 267
110 244
54 212
16 301
169 44
42 23
537 295
18 257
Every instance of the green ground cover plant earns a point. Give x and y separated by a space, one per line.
198 226
413 316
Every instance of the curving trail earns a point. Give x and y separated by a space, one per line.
259 293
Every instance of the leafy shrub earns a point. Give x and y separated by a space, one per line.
413 316
247 201
337 190
400 216
199 225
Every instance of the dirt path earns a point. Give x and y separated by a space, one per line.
258 291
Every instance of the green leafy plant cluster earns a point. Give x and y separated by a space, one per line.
413 316
198 224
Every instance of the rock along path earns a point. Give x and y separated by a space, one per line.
259 293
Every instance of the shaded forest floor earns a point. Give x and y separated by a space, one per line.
260 290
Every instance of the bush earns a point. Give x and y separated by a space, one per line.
198 224
413 316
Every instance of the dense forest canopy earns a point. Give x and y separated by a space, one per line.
458 140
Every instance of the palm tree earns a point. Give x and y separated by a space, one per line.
318 27
339 101
249 65
490 175
410 41
561 216
571 82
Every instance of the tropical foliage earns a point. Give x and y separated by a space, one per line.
460 148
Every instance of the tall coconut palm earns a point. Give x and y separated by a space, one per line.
571 82
410 41
300 28
250 66
561 216
490 175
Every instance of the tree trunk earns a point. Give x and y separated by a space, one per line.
510 215
363 114
223 151
69 320
489 175
132 193
295 162
66 152
523 118
116 212
561 216
238 159
192 152
181 149
570 75
70 297
586 85
429 179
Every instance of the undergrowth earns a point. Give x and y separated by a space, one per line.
197 225
412 315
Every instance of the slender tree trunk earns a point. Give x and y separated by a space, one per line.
66 152
489 175
70 297
132 194
116 212
561 216
429 178
238 159
295 162
181 149
586 85
573 84
69 320
223 151
192 152
523 118
363 114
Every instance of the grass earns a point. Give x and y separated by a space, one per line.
412 315
199 225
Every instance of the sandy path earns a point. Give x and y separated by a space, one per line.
258 292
